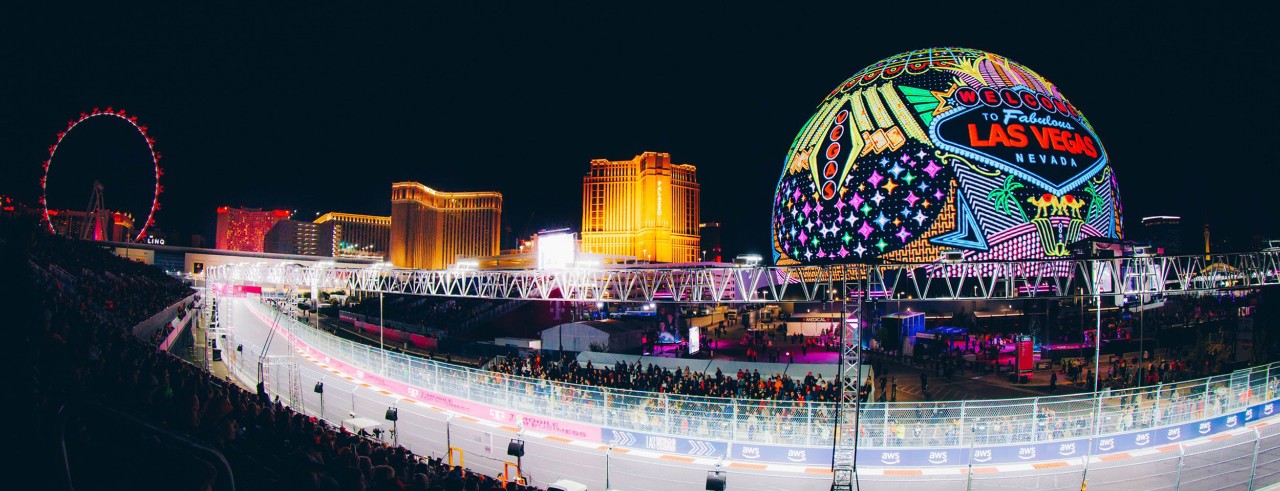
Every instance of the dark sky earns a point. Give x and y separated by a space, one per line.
318 108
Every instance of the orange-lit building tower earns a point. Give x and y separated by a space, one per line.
243 229
358 235
430 229
645 207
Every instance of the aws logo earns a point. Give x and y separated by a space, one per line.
890 458
1174 434
1204 428
983 455
1026 453
1106 444
1248 414
1142 439
1268 409
937 457
1232 421
751 452
1067 449
796 455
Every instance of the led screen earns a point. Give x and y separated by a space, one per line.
695 340
937 150
555 251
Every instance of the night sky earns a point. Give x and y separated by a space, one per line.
318 108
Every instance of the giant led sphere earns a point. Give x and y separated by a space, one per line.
943 152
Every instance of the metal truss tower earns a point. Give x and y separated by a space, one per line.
852 294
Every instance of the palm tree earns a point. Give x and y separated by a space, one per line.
1095 202
1004 200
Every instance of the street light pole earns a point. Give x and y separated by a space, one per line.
380 330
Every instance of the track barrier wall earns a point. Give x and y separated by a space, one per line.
1199 434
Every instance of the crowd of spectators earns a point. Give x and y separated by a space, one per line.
76 304
743 384
425 313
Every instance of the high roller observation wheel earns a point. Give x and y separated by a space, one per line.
155 161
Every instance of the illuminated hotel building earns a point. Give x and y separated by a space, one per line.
1164 233
430 229
71 223
300 238
364 236
244 229
646 207
709 234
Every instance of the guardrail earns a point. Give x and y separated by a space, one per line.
706 425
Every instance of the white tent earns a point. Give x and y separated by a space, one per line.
613 335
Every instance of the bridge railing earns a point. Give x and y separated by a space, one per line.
881 425
1039 278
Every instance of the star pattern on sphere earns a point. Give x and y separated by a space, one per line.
909 177
797 194
802 236
850 219
921 154
906 212
818 208
877 198
896 170
815 241
859 249
843 253
919 218
932 169
890 186
865 230
905 158
881 244
807 209
856 200
840 205
924 186
846 238
875 178
821 253
808 254
882 220
829 231
903 234
937 194
809 226
866 209
884 161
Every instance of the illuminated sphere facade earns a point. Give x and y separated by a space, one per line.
943 150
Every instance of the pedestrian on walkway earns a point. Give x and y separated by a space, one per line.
924 382
893 395
1053 381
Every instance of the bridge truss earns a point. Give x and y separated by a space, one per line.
1047 278
854 287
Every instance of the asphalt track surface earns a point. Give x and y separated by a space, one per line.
1224 463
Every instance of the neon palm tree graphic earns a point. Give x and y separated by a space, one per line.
1095 203
1004 200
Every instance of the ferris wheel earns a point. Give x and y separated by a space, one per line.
155 162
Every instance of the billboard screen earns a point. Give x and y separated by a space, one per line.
556 251
695 340
943 150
